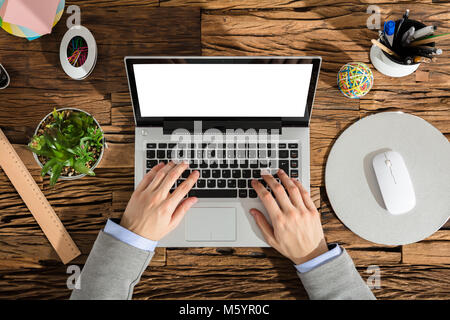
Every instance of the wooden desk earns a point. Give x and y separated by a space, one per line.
336 30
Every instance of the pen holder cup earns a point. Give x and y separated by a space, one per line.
392 66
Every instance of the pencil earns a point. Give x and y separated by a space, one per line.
430 39
384 48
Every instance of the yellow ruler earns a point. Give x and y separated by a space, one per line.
36 202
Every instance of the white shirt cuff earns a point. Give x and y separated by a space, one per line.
333 252
129 237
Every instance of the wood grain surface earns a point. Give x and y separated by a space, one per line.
335 30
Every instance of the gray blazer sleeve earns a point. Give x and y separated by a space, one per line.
336 279
112 270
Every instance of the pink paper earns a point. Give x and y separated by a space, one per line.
37 15
2 9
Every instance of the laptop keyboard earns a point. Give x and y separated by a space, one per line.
226 170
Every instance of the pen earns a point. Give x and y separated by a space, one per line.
419 59
431 50
389 27
405 17
423 50
407 36
426 31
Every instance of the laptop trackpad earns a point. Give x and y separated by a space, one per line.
211 224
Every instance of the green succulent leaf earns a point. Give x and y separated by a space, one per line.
80 167
56 173
48 166
71 139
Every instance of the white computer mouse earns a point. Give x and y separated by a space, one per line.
394 181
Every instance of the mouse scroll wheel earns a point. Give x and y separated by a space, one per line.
388 163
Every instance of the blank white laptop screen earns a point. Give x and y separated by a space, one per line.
222 90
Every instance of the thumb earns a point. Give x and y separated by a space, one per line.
181 210
263 224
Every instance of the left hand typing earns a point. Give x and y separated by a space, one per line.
153 211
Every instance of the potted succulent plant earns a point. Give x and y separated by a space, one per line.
68 144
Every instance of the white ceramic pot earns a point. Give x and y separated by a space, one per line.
99 158
388 66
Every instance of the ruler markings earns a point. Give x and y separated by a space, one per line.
36 202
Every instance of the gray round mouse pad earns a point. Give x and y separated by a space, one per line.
353 190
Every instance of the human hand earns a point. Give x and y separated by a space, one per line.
153 211
296 231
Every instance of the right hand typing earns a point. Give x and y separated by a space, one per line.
296 231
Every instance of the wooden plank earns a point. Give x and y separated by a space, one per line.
165 283
229 282
27 157
33 251
35 104
318 30
269 257
83 204
434 250
235 282
121 198
326 125
319 148
427 253
334 29
240 4
330 123
113 3
315 196
118 155
403 281
431 105
122 116
42 85
328 96
264 4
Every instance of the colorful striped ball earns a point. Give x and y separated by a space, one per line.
355 79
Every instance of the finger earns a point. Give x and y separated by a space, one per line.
264 226
180 211
292 189
266 198
172 176
148 177
159 177
182 190
278 190
309 203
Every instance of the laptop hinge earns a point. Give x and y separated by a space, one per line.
224 126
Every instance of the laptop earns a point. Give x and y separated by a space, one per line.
231 118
